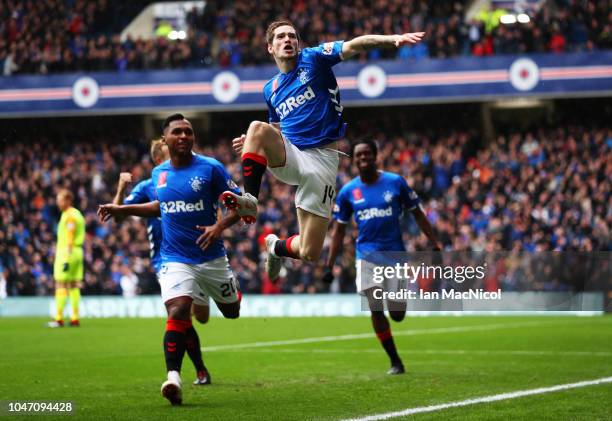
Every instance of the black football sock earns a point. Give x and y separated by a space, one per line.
282 248
253 168
174 343
386 340
192 343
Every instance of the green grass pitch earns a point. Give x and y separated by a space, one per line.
113 368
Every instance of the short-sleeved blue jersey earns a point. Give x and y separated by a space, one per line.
144 192
188 196
306 101
377 209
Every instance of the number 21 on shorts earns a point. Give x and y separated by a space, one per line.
229 288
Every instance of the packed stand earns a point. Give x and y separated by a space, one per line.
32 172
54 36
534 191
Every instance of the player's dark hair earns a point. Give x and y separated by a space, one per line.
371 143
171 118
272 27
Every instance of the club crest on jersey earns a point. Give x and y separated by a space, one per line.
162 179
388 196
303 76
328 48
358 196
196 183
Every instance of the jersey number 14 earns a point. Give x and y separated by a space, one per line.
328 194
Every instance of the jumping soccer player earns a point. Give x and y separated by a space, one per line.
144 192
68 265
187 188
377 199
299 146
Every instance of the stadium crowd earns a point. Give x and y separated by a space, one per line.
532 191
53 36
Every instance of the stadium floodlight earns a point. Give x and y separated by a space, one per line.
523 18
181 34
507 19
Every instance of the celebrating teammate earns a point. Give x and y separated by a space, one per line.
299 146
68 265
187 188
377 199
144 192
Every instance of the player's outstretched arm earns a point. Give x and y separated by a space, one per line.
337 236
425 226
125 178
371 42
145 210
212 233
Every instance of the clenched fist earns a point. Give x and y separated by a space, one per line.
238 143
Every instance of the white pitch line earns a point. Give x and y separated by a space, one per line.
409 332
484 399
436 351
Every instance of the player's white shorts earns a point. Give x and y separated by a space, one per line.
314 171
199 297
209 279
364 279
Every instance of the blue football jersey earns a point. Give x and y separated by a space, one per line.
377 209
188 196
144 192
306 101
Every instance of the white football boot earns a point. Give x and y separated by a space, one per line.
245 205
273 262
171 388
